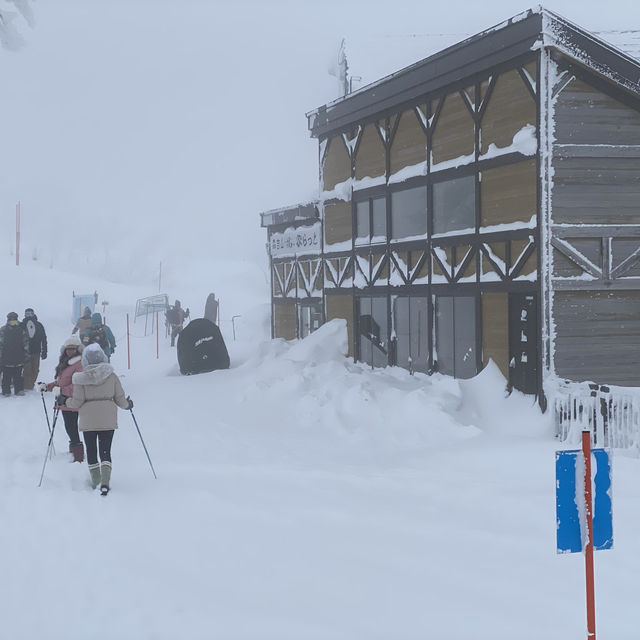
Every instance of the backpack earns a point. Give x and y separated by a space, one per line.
97 334
173 317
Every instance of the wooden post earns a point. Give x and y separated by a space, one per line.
128 345
157 337
18 233
588 549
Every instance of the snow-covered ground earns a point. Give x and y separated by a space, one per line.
299 496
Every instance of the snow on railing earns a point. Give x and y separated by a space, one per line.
612 414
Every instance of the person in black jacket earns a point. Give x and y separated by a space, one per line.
175 319
37 347
14 352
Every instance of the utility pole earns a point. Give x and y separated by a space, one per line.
18 234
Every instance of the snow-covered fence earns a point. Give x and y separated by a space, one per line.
147 307
611 414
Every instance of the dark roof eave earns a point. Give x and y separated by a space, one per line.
448 66
527 32
289 215
591 52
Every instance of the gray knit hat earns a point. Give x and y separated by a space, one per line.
93 354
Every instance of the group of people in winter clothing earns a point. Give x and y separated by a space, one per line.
90 394
91 329
22 346
89 390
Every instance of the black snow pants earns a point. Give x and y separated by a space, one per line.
12 376
71 426
98 442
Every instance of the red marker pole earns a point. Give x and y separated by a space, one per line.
18 234
157 337
588 549
128 345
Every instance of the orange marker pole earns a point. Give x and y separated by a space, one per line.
157 337
128 345
588 550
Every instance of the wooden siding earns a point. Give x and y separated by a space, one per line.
284 321
336 166
454 133
341 306
596 158
563 267
510 108
277 278
370 156
495 330
623 249
509 193
409 145
290 272
598 336
518 248
596 190
337 223
584 115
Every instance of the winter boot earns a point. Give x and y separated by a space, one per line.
78 452
94 470
105 477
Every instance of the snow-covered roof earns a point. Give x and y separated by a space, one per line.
613 54
290 214
627 41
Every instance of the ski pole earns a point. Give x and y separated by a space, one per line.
46 415
143 444
53 429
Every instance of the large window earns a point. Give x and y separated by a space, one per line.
456 335
372 330
371 221
410 317
454 205
409 213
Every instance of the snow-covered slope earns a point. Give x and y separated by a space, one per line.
299 495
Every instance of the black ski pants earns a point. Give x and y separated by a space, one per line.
12 376
71 426
98 442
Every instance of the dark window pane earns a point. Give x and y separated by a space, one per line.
456 335
465 336
365 329
372 326
379 231
454 205
411 327
409 213
362 222
419 312
402 329
444 335
381 348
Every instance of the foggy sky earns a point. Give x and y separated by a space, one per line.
175 123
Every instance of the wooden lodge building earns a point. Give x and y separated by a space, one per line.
483 203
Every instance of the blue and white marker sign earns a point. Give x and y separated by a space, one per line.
570 502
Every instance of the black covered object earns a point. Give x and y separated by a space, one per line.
201 348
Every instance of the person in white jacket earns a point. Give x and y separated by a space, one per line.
97 394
